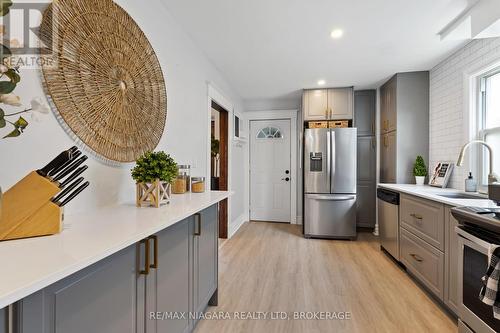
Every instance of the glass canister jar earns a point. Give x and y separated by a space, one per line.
185 170
179 185
198 184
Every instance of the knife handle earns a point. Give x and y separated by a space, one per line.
74 194
61 195
74 155
70 168
75 174
61 158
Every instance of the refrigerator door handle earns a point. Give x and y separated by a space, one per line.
334 198
328 152
332 153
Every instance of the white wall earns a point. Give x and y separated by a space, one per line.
187 72
448 99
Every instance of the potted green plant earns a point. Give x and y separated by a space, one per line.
419 170
153 174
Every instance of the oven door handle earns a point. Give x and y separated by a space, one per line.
476 240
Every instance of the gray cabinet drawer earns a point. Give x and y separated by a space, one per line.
424 262
424 218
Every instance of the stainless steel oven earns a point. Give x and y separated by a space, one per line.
474 243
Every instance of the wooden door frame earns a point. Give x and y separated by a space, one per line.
224 206
294 144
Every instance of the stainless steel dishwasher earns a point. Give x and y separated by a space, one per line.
388 221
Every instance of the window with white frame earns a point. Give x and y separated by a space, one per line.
488 123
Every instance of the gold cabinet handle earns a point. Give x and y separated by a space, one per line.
197 231
145 271
417 216
385 141
416 257
155 251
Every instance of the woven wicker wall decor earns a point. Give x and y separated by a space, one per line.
108 86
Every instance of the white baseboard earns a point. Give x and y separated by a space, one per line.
236 224
298 220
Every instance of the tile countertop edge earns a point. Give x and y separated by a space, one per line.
25 283
432 193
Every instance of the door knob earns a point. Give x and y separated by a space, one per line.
287 171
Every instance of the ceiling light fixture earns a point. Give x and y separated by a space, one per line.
337 33
321 82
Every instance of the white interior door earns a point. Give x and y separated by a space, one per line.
270 173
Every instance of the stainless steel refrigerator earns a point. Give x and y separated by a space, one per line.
330 182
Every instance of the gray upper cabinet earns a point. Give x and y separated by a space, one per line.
366 159
205 251
315 104
364 112
388 158
388 103
450 261
325 104
340 103
100 298
404 124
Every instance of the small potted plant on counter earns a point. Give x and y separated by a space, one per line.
419 170
153 174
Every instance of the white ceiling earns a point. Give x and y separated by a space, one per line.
271 49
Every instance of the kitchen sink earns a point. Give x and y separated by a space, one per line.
461 196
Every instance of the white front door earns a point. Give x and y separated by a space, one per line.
270 173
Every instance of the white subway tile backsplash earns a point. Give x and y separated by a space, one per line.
447 102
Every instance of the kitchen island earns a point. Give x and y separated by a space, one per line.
111 268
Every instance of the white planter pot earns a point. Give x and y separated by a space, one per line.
419 180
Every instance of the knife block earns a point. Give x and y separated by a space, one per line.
27 210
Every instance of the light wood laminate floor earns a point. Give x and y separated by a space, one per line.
271 267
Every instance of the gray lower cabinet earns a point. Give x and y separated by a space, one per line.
148 287
100 298
450 262
205 252
366 182
167 285
365 204
429 246
3 320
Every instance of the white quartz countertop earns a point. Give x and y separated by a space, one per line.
433 193
29 265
